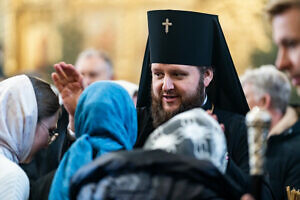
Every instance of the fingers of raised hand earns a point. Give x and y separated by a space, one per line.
62 77
56 81
69 73
72 74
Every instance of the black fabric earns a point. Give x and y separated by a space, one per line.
151 175
170 48
283 161
40 169
145 126
193 39
237 145
235 133
39 189
236 137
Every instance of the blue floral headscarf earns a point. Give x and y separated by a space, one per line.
105 121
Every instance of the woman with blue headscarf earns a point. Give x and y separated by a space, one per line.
105 121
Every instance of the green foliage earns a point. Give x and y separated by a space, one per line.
295 99
260 57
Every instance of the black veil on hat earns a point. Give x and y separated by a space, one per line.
191 38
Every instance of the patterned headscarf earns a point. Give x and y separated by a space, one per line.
192 133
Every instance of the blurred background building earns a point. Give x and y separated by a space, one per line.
35 34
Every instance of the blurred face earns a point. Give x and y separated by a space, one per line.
250 96
42 131
286 34
175 88
93 69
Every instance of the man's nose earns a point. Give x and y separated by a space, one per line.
282 60
167 84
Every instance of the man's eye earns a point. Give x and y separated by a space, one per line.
93 75
158 74
290 43
179 74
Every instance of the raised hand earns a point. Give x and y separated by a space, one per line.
69 84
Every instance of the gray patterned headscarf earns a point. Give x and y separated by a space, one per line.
192 133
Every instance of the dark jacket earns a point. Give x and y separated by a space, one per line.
283 160
149 175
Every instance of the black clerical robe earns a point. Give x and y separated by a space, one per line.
236 138
235 133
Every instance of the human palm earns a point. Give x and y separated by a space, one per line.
69 84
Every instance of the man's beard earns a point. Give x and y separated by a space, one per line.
159 115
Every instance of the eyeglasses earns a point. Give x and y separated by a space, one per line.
52 134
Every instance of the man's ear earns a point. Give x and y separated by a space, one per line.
265 101
208 76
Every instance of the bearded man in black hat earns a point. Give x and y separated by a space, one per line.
187 64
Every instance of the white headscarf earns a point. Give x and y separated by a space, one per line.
18 117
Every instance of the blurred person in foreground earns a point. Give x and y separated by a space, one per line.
284 16
270 89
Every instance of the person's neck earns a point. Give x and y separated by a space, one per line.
282 121
276 116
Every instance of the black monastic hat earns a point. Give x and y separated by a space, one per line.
191 38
